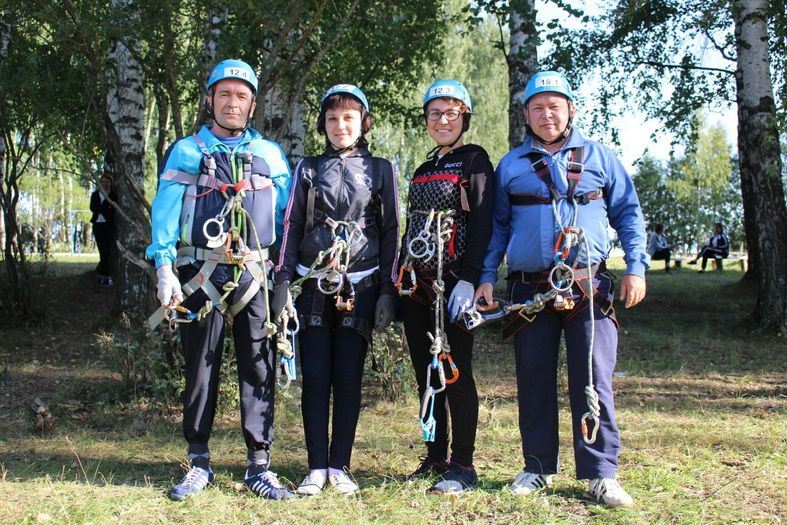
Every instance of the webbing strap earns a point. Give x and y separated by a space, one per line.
529 199
573 174
240 304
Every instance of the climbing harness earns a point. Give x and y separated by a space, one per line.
224 245
331 278
561 277
424 246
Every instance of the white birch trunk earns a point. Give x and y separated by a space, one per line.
522 62
760 162
290 134
125 162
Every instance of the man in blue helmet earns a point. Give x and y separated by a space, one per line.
218 208
556 195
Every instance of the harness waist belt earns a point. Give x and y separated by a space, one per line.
543 276
363 284
205 254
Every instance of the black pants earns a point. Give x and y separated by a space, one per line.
664 254
332 358
105 236
708 252
460 397
203 344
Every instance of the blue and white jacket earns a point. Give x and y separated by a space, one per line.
526 235
183 202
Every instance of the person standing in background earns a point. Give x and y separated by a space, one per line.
103 221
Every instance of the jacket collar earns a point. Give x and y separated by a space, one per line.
213 142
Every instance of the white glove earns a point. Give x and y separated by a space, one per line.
168 288
461 300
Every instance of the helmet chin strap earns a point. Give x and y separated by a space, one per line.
433 152
346 149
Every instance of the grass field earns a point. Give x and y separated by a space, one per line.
701 404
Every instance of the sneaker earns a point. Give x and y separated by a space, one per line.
312 484
701 271
194 482
458 479
609 491
693 262
428 467
343 483
266 485
528 482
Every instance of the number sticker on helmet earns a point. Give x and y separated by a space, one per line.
548 82
441 90
236 72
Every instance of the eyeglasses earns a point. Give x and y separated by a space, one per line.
450 115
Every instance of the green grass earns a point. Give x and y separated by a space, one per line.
701 405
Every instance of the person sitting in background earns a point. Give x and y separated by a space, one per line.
658 247
718 248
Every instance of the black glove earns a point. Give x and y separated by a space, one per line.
281 298
384 312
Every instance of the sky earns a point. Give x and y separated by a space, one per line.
634 145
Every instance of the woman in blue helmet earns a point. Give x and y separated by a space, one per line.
457 179
344 200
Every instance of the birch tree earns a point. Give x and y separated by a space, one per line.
760 160
124 161
637 48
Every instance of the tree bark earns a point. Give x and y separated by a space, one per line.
760 162
288 133
522 63
125 158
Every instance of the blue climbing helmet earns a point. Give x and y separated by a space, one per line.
548 81
350 89
233 68
448 88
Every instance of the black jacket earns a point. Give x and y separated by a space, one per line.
357 188
479 182
104 208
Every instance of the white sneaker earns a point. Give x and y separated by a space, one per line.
342 483
312 484
527 482
609 491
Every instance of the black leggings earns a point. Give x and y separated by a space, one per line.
462 396
332 358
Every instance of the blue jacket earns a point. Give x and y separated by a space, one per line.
185 157
526 235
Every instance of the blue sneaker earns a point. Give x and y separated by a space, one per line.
266 485
194 482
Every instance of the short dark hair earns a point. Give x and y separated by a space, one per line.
345 101
659 228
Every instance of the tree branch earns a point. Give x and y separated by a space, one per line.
137 261
659 65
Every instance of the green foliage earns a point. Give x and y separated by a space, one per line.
691 193
390 371
148 363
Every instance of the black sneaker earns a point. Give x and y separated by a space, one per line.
693 262
458 479
428 467
266 485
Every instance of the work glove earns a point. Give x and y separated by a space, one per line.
168 288
460 301
384 312
282 300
